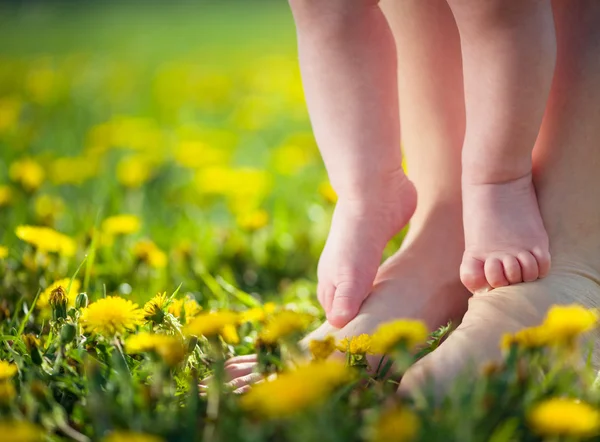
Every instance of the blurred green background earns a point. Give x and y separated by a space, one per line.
190 116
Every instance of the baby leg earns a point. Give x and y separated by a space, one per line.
348 64
509 51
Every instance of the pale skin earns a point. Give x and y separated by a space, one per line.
348 62
419 284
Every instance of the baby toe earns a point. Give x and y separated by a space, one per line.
542 257
472 274
494 272
325 292
512 269
347 299
529 266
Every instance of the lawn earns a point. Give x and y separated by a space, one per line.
163 206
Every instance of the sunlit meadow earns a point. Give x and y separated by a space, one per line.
162 208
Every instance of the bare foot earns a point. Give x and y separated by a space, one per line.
505 239
414 283
360 230
505 310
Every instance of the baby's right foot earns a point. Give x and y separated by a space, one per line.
505 239
360 230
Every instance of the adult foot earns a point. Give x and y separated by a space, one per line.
420 281
476 341
505 239
360 229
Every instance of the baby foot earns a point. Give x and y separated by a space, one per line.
505 239
413 283
360 230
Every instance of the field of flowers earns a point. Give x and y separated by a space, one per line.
162 208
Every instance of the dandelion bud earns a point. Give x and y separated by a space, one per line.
153 309
67 333
81 301
32 344
58 302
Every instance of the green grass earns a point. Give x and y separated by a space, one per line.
132 88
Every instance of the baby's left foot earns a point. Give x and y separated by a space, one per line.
505 239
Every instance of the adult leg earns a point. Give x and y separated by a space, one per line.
566 163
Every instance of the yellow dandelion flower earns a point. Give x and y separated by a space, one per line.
149 252
269 308
130 436
185 307
211 324
296 390
121 225
48 208
7 392
321 349
566 323
155 308
396 425
20 431
46 239
111 315
253 220
245 183
356 345
230 335
284 324
7 370
256 314
532 337
564 417
169 348
133 171
407 332
327 192
195 154
75 170
3 252
28 173
43 301
6 196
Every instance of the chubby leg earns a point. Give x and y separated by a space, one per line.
348 64
421 280
566 162
509 51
